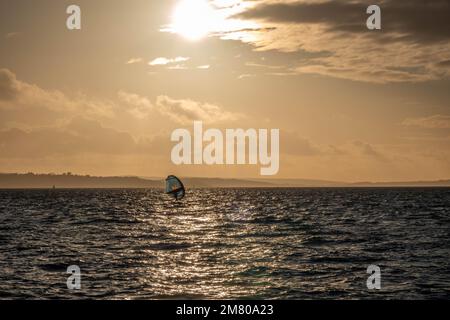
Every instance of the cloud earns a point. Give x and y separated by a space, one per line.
18 99
245 75
134 60
76 137
185 111
140 107
178 67
30 104
412 46
445 63
39 123
335 12
416 21
293 144
432 122
179 110
367 149
161 61
11 35
9 86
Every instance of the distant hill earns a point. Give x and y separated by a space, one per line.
43 181
225 183
324 183
437 183
298 183
68 180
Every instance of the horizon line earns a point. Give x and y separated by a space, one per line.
155 178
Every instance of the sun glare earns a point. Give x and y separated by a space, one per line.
193 19
198 19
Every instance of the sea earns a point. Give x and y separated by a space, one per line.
304 243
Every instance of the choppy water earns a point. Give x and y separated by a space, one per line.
243 243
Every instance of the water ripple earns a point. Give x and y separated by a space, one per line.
236 243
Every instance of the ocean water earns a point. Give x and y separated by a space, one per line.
231 244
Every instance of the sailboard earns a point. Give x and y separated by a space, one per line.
175 187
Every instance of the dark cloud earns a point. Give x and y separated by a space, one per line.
445 63
9 86
416 20
328 12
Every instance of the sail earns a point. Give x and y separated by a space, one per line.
175 187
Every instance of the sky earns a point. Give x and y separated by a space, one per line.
351 104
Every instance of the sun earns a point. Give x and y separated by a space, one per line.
197 19
193 19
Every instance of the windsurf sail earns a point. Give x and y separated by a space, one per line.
175 187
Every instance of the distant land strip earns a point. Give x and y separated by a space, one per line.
73 181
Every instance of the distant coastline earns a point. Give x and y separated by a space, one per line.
73 181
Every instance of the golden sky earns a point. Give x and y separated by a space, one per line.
351 104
